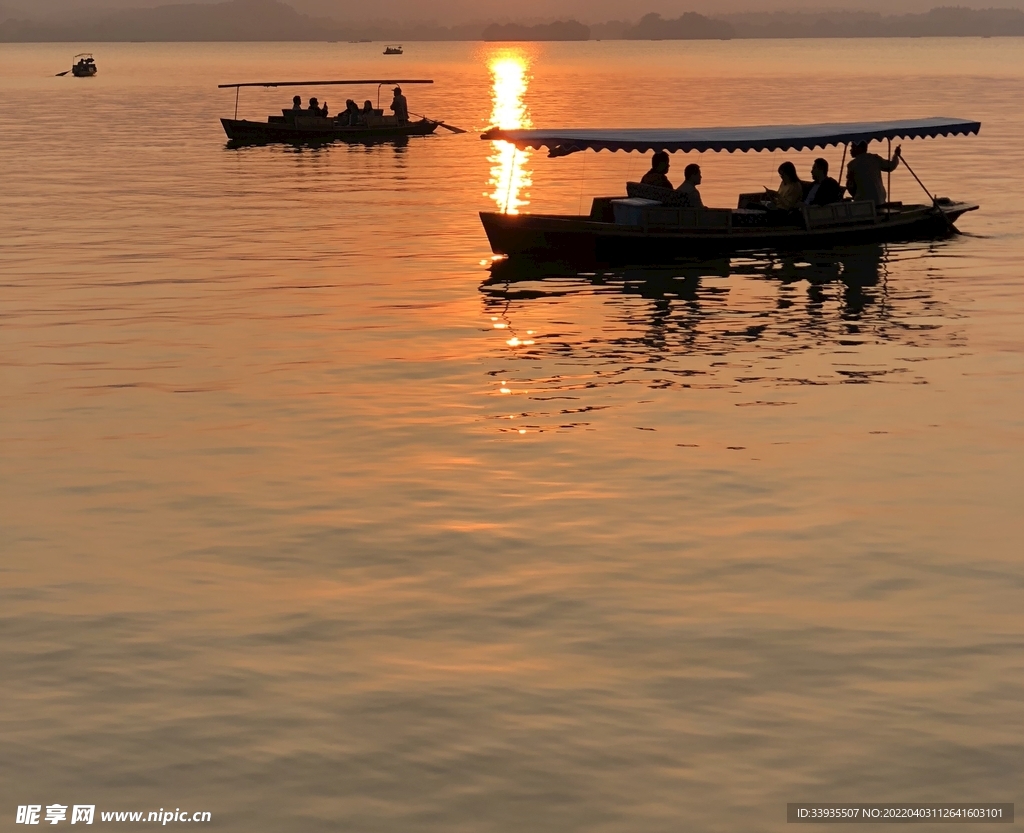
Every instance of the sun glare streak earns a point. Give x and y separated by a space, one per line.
509 176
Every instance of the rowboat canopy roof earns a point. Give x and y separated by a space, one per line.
327 83
562 142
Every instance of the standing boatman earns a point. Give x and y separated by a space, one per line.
864 173
400 107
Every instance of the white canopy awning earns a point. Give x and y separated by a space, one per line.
561 142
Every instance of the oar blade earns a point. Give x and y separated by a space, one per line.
440 123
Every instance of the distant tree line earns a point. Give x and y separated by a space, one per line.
690 26
939 22
559 30
273 20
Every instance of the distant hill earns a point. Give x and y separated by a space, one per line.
690 26
273 20
234 20
939 22
557 31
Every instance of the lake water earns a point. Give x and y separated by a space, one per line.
310 521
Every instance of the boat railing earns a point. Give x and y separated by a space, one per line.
666 196
654 207
839 214
652 215
303 118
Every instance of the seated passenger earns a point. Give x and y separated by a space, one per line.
656 175
353 112
367 108
688 190
824 190
297 103
791 191
314 107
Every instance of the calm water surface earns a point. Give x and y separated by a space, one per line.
312 520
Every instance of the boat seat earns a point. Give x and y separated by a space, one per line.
601 209
638 211
666 196
315 122
753 200
839 214
669 217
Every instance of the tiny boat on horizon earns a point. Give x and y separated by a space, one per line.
643 226
84 65
396 49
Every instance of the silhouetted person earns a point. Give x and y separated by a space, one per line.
314 107
400 107
297 103
864 173
656 176
688 190
367 108
352 110
824 190
791 190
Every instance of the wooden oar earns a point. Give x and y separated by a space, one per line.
935 202
440 123
61 74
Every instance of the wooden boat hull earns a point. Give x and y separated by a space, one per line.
84 72
241 131
582 239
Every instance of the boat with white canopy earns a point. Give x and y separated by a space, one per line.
645 226
84 65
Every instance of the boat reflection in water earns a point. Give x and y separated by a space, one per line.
509 175
817 317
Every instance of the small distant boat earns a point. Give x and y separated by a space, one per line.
84 65
393 50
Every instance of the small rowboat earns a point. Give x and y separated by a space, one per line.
393 50
634 228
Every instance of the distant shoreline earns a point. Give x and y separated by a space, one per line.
78 41
272 21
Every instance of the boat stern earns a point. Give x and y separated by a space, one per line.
953 211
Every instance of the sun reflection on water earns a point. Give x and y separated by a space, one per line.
509 176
